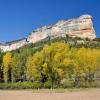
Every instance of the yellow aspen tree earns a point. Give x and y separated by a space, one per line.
7 58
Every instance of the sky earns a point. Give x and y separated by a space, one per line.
19 17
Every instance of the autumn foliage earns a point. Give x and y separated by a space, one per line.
56 65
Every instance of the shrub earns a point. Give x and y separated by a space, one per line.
37 85
67 83
47 84
20 85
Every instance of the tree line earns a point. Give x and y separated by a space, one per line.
55 65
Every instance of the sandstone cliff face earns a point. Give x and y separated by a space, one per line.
80 27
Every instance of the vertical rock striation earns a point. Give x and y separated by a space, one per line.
80 27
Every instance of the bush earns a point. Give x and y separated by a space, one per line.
47 84
37 85
20 85
92 84
67 83
95 84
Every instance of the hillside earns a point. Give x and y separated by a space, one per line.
56 63
73 42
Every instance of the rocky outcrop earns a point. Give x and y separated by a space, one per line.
81 27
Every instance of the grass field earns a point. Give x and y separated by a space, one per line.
45 94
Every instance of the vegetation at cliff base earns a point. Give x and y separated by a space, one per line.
54 65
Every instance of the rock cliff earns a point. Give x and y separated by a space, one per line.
81 27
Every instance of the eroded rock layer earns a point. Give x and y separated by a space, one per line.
81 27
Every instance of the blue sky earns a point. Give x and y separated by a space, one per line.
19 17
